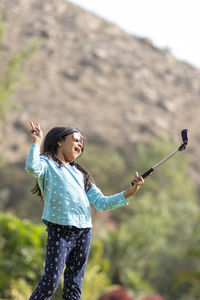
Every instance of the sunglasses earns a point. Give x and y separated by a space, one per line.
77 138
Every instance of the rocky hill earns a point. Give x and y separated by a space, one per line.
117 88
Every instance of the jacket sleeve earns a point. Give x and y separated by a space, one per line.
35 164
104 203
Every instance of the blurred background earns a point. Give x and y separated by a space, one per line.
62 64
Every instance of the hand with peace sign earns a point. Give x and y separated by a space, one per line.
36 134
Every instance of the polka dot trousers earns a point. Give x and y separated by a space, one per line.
68 247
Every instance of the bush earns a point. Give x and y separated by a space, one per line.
22 247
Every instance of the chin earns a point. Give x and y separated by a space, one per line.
73 158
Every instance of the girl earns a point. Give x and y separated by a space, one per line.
67 190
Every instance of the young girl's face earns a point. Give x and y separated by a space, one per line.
71 147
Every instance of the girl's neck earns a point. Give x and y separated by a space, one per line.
62 159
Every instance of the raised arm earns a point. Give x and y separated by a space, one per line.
35 165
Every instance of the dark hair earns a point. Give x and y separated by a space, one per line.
50 147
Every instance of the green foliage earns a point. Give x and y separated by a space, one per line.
137 285
20 289
158 240
118 248
21 253
191 273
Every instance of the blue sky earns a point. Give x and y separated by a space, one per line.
174 24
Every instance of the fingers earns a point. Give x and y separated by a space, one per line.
35 127
138 180
35 130
36 133
32 125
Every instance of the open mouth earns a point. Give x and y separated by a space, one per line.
77 150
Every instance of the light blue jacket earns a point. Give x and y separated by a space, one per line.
65 200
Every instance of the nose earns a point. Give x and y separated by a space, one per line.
80 144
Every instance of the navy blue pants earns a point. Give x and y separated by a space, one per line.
68 247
